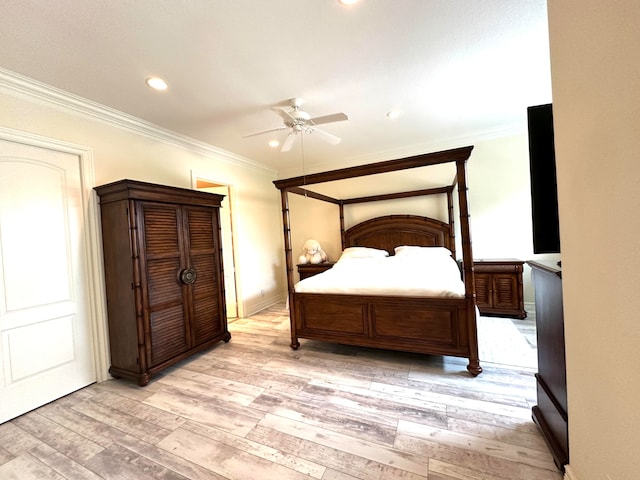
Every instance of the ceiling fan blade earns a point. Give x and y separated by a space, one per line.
288 142
266 131
327 137
335 117
285 115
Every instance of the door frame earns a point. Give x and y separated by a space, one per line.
94 284
197 177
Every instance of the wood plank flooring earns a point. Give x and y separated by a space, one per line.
255 409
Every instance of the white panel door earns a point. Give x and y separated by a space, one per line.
45 339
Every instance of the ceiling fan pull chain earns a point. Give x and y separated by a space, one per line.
304 176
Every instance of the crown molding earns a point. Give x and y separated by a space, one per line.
20 84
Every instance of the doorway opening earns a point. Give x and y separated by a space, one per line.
234 309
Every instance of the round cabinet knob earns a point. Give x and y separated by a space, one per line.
188 276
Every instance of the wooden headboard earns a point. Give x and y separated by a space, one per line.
391 231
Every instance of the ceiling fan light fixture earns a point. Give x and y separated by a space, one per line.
156 83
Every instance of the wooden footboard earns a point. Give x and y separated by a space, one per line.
436 326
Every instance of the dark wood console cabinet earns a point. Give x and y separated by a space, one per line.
498 285
310 269
163 275
550 414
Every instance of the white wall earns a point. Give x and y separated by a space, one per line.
500 199
121 152
313 219
596 88
500 203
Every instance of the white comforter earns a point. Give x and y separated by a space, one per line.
396 275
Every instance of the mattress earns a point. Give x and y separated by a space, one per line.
413 275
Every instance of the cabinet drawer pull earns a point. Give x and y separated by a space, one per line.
188 276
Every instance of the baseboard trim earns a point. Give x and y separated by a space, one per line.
251 308
568 473
530 308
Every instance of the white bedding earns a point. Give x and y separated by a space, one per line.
407 275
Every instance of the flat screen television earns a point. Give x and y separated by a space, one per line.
544 190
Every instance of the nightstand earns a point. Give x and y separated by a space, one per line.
498 286
310 269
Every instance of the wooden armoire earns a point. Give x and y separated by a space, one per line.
163 275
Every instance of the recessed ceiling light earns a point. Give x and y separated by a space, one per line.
156 83
274 143
347 2
393 114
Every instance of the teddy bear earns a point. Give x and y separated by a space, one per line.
312 253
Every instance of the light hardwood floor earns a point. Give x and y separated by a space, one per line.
255 409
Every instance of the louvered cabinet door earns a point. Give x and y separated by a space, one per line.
162 259
206 293
483 284
505 291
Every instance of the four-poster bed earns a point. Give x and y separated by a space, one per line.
420 324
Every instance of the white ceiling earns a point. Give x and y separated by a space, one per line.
459 70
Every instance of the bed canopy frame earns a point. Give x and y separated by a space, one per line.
456 317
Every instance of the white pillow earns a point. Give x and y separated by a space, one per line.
422 252
363 252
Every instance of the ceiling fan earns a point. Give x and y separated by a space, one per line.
298 121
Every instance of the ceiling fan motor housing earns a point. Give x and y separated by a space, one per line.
300 117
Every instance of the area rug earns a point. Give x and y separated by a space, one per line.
500 342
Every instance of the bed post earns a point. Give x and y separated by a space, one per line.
452 222
289 261
467 262
341 208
